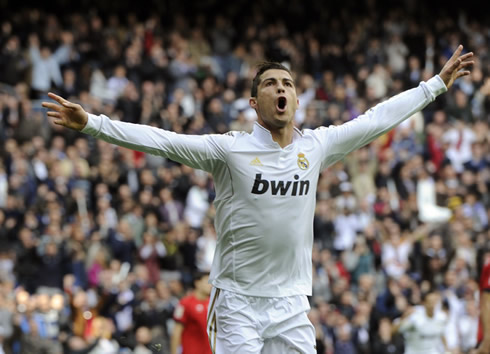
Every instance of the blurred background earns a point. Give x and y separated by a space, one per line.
99 243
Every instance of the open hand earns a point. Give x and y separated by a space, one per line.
452 70
66 113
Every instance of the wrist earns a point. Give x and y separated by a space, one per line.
437 85
92 124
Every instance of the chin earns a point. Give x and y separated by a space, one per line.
283 119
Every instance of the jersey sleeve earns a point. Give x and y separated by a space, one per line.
180 313
197 151
485 279
338 141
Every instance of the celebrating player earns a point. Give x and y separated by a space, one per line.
265 199
423 327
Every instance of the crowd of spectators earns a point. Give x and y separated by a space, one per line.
98 243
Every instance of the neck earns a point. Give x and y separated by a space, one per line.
283 136
200 295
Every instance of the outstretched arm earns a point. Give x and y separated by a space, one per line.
338 141
193 150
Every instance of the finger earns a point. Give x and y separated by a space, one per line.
69 104
467 63
53 114
57 98
454 65
466 56
51 105
456 53
462 73
464 65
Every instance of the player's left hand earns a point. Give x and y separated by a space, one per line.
452 70
66 113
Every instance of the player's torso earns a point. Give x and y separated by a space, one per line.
194 337
274 176
273 186
197 311
428 332
265 218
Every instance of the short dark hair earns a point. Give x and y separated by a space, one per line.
198 275
262 68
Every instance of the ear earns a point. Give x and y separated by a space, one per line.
253 102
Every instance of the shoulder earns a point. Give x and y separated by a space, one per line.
318 130
318 134
442 316
227 138
236 134
418 313
186 300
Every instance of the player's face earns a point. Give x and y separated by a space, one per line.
276 100
203 286
431 302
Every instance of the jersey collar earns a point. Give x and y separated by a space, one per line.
263 135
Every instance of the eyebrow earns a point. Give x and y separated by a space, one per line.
274 79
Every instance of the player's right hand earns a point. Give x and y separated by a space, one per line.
66 113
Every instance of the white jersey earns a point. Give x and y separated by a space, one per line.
265 194
423 334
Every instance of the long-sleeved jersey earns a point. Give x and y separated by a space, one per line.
423 334
265 194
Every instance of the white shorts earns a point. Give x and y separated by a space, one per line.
252 325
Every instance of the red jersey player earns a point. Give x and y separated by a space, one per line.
484 327
190 316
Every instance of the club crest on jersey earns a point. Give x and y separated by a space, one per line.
302 161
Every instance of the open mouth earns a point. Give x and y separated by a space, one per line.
281 104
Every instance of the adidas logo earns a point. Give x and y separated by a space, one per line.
256 162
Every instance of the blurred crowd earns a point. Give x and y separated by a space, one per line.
98 243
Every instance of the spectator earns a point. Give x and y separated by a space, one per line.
459 140
152 311
396 251
27 261
151 252
197 202
385 342
121 242
46 65
13 65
